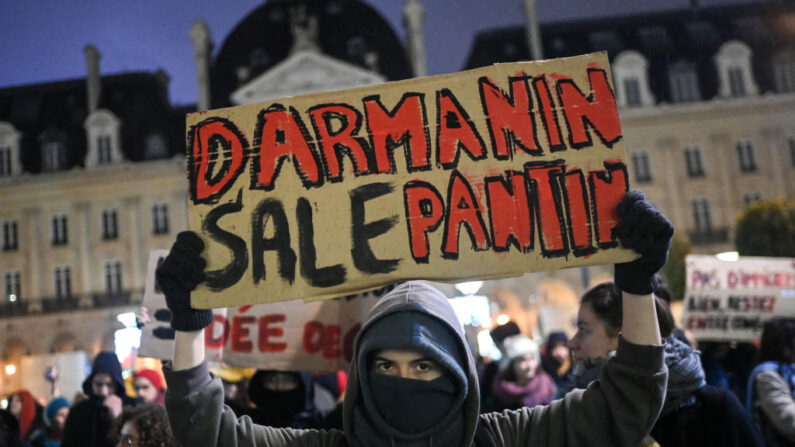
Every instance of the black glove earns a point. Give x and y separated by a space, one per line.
647 231
177 275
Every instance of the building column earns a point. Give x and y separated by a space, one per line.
203 47
668 158
413 21
773 142
723 148
34 287
532 30
132 209
83 244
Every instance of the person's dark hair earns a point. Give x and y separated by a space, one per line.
605 300
778 341
151 422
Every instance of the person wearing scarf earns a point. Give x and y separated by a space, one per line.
413 382
521 382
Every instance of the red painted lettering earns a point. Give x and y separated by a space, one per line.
406 125
424 210
268 331
509 117
342 140
597 111
551 228
280 135
455 132
509 212
607 189
219 156
576 203
240 333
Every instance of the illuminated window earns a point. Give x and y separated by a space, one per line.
640 159
59 233
745 152
63 282
695 167
13 291
701 214
10 242
112 271
160 218
109 224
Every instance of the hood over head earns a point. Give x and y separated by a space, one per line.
106 362
293 408
685 374
413 316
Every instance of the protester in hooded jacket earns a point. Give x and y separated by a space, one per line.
23 406
283 399
412 379
556 361
771 387
693 414
89 422
521 382
55 414
148 386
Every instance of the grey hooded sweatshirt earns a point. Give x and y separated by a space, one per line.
618 410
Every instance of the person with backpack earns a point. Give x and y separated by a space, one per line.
771 386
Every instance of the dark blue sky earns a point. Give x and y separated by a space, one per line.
43 40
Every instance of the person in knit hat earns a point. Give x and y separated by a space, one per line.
55 414
23 406
90 420
521 382
148 386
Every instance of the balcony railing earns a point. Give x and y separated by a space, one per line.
49 305
710 236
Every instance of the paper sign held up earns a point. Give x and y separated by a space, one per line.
480 174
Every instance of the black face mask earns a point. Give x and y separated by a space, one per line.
412 406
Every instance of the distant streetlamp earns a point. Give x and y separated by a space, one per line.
11 369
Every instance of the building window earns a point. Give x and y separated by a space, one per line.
642 171
53 156
784 72
60 234
745 152
159 218
103 147
13 291
693 160
5 161
684 84
112 271
632 90
109 227
701 215
751 197
736 81
10 241
63 282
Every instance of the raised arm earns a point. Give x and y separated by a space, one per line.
178 275
648 232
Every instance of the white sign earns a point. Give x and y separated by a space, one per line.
732 300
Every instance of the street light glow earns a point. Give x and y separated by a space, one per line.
11 369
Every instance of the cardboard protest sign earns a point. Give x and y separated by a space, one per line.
732 300
288 335
480 174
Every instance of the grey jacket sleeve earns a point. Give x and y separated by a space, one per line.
775 400
618 410
198 417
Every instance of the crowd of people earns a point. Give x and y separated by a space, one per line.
627 377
